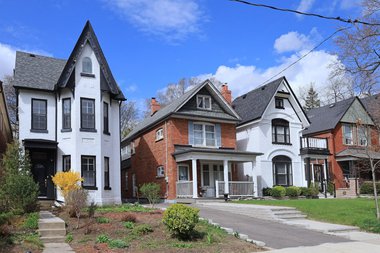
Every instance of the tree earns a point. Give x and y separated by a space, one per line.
11 99
311 100
339 87
359 50
129 117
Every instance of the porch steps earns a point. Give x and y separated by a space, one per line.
288 213
45 205
51 228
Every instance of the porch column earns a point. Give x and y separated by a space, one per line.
254 180
195 178
308 176
325 182
312 172
225 173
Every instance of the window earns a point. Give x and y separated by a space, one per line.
204 102
87 114
204 135
183 173
133 150
280 131
89 171
107 173
160 171
347 134
66 163
279 103
282 171
159 134
363 136
206 175
87 65
105 118
39 114
66 113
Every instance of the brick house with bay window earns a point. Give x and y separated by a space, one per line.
188 148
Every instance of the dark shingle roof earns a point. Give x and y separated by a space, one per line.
251 106
327 117
37 71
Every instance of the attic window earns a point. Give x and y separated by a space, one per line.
204 102
86 65
279 103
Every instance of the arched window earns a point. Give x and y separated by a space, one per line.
282 171
87 65
280 131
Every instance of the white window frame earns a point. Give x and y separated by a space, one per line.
366 135
160 171
203 124
344 134
160 134
188 171
204 97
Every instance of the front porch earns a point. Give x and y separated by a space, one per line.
214 173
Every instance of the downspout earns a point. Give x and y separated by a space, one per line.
121 197
166 160
56 137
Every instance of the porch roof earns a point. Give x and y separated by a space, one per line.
184 153
40 143
351 154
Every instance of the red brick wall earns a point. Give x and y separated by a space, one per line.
151 153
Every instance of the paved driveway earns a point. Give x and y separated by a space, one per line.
275 234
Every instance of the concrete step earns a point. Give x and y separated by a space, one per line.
280 209
185 201
292 216
52 232
51 225
291 212
53 239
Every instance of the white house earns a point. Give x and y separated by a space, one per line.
272 124
68 112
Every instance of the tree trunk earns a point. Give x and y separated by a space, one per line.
375 189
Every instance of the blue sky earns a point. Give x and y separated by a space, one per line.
149 44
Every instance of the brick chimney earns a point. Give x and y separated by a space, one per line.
154 106
226 93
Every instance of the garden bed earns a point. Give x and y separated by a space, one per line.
110 232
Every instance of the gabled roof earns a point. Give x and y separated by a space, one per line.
372 105
88 36
251 106
36 71
174 106
327 117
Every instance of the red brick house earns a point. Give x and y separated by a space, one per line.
188 147
351 133
5 126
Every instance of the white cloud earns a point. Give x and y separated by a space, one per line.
172 20
131 88
349 4
7 60
305 5
313 68
295 41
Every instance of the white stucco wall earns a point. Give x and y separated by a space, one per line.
257 137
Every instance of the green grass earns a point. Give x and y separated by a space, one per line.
356 212
31 221
124 208
102 220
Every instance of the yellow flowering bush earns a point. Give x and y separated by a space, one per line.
67 181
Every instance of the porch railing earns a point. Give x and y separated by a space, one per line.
236 189
184 189
313 143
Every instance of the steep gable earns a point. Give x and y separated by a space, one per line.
356 112
107 80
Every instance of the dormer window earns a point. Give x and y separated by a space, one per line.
279 103
159 134
87 65
204 102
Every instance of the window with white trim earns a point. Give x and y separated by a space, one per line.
160 171
87 65
204 135
348 134
88 171
204 102
363 136
183 172
282 171
159 134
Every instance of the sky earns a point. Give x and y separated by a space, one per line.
149 44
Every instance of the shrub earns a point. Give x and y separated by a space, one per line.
5 217
367 188
17 181
304 191
151 191
119 244
181 220
76 200
102 238
129 217
67 181
312 191
91 210
129 224
142 229
69 238
292 191
102 220
330 187
267 191
31 222
278 192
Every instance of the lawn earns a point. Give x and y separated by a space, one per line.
359 212
134 228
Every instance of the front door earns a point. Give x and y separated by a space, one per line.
42 170
210 174
318 176
39 172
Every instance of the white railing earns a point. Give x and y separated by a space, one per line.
313 143
236 189
184 189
